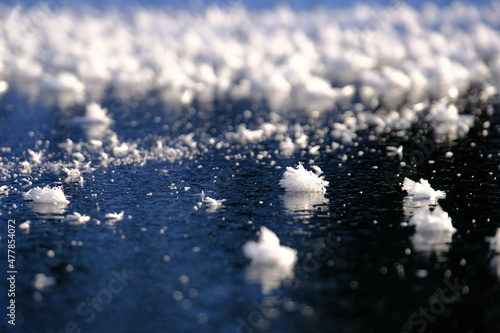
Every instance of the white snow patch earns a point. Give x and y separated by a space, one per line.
95 122
25 226
46 195
314 150
433 230
212 204
244 135
43 281
36 157
184 56
421 190
115 216
447 123
26 167
268 251
437 220
73 175
94 115
287 147
394 151
4 86
301 180
271 262
77 218
65 88
4 190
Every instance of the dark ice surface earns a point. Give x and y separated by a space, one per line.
167 267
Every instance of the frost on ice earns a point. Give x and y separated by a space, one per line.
4 190
77 218
447 123
35 157
301 180
287 147
43 281
73 175
271 262
433 229
394 151
25 226
268 251
46 195
47 200
212 204
421 190
114 217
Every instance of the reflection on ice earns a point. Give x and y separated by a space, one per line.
304 204
437 220
269 277
432 241
410 206
271 262
48 208
433 230
95 131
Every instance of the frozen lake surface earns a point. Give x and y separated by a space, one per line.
142 152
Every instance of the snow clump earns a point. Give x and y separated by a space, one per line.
46 195
421 190
301 180
268 251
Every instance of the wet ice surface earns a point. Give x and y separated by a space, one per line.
157 202
185 269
